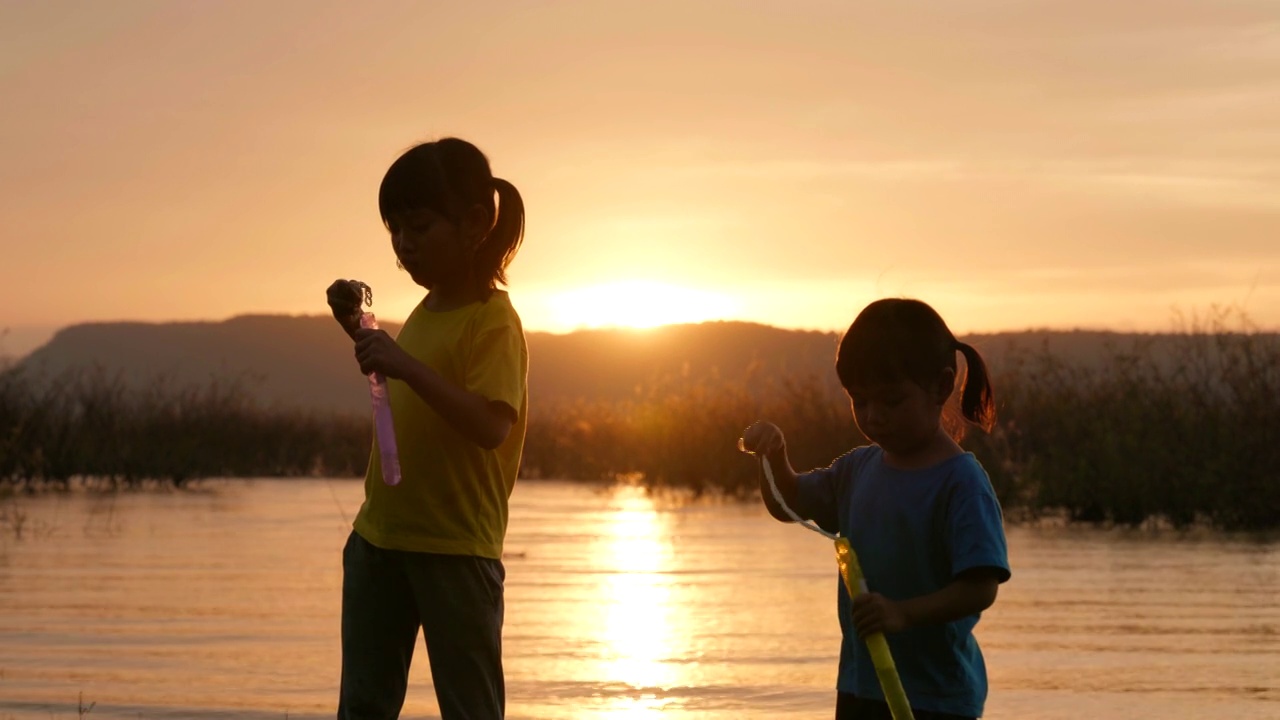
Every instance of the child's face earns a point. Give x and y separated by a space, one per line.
429 246
899 416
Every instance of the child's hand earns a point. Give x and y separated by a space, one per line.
344 302
377 352
762 438
873 613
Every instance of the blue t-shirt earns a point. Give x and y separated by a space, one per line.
913 532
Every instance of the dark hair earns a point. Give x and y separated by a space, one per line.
896 339
450 176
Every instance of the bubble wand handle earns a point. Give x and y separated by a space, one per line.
881 658
383 427
855 583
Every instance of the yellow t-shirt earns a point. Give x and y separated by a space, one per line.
452 497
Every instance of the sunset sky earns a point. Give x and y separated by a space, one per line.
1018 164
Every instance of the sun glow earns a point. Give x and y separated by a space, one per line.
638 304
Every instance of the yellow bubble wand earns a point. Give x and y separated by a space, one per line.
855 583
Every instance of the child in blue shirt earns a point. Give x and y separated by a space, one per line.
918 510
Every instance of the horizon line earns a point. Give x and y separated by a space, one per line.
52 328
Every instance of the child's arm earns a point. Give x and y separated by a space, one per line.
481 420
766 440
973 591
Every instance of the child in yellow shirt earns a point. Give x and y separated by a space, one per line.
427 552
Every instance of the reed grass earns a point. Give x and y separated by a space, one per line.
1185 431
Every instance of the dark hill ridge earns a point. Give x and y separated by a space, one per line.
306 361
613 364
290 361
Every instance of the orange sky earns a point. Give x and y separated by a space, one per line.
1048 164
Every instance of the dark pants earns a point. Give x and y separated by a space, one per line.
852 707
456 600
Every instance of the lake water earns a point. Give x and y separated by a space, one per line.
223 602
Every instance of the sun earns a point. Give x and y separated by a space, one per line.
638 304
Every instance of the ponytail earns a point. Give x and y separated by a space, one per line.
977 400
499 247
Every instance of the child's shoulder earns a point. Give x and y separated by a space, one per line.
494 313
967 464
856 460
964 470
497 309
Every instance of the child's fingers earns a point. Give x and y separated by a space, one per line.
367 335
368 348
868 625
766 443
772 443
760 438
868 614
371 358
753 445
863 621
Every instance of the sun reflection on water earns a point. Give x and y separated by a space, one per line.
636 591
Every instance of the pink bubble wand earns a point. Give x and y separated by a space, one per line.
383 427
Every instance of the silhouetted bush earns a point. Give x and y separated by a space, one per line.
85 424
1190 435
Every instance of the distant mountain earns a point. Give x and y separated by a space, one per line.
306 362
303 362
615 364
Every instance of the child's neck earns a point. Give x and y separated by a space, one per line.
941 446
443 298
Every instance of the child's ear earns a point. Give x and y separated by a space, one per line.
946 386
476 224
